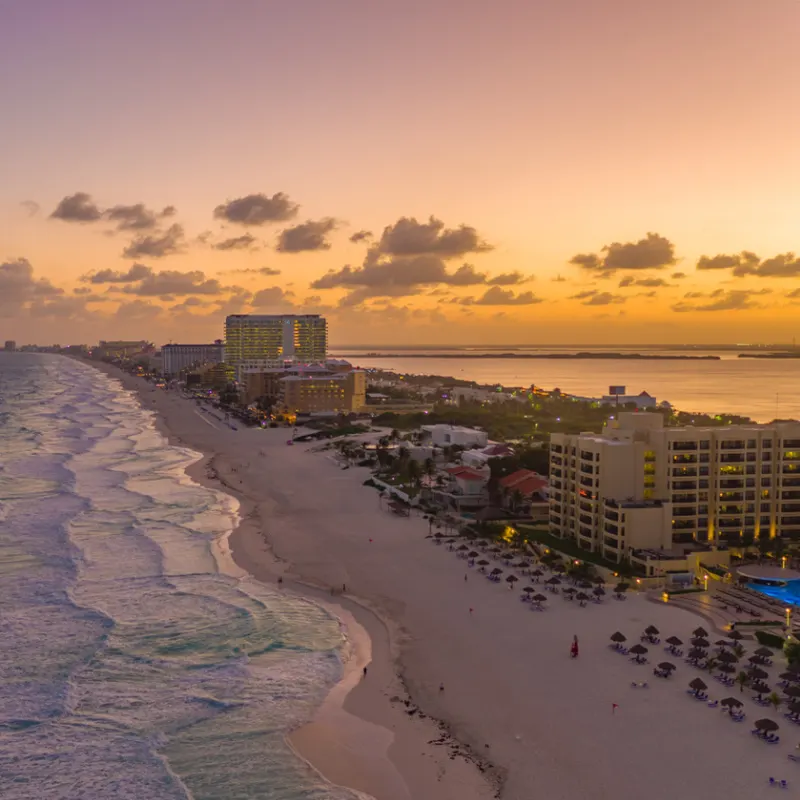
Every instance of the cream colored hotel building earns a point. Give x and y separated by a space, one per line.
639 485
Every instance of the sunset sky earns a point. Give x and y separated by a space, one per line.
515 171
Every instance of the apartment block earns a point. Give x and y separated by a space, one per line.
274 340
344 392
639 485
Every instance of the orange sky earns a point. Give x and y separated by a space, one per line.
199 140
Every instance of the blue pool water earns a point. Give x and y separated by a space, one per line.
788 594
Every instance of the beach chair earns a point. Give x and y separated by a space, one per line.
713 704
793 757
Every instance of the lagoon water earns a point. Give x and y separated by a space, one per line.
763 389
133 662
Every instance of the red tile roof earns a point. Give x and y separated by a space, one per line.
465 473
526 481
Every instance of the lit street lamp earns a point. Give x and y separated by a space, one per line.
705 582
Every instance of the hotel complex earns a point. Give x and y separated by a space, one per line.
271 340
178 357
639 485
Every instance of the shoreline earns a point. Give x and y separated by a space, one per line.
358 739
548 723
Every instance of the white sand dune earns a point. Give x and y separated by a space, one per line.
512 694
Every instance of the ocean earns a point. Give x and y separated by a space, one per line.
763 389
134 663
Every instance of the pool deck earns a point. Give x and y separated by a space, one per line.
767 572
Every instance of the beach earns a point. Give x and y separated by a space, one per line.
521 717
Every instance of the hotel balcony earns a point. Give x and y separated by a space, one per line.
684 458
732 444
683 447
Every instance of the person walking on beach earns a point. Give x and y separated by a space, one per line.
365 672
573 650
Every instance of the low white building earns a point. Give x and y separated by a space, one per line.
642 400
449 435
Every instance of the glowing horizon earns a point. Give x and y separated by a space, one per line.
527 172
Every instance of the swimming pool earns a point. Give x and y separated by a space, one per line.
787 593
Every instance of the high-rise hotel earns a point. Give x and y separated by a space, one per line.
263 341
640 485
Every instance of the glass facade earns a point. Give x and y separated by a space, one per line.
251 337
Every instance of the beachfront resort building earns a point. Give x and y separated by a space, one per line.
179 357
343 392
639 485
10 346
268 341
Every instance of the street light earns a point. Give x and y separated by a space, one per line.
788 620
705 582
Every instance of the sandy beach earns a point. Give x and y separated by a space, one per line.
530 721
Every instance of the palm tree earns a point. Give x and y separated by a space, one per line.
414 472
711 663
774 700
742 680
429 467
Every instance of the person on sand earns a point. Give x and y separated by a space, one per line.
465 579
441 687
573 650
365 672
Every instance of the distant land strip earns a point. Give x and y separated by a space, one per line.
583 356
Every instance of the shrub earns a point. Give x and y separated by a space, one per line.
792 652
769 639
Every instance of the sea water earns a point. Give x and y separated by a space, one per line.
134 663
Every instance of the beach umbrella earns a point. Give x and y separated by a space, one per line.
794 707
757 674
699 632
651 630
598 580
528 589
618 637
696 653
638 650
553 581
698 685
699 641
473 554
483 563
735 635
721 643
507 556
792 691
731 702
766 725
760 688
674 641
438 535
728 669
537 573
763 651
496 571
584 585
582 597
726 657
789 676
755 659
666 666
559 568
598 591
539 598
462 547
512 579
621 587
570 590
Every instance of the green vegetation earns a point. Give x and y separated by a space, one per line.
792 652
534 417
539 535
691 590
757 623
769 639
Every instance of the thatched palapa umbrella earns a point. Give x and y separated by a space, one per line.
763 651
582 597
674 641
666 666
651 630
731 702
618 637
726 657
792 691
790 676
728 669
735 635
598 591
696 653
700 632
539 598
553 581
757 674
497 571
699 641
512 579
766 725
697 685
483 563
528 589
638 650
